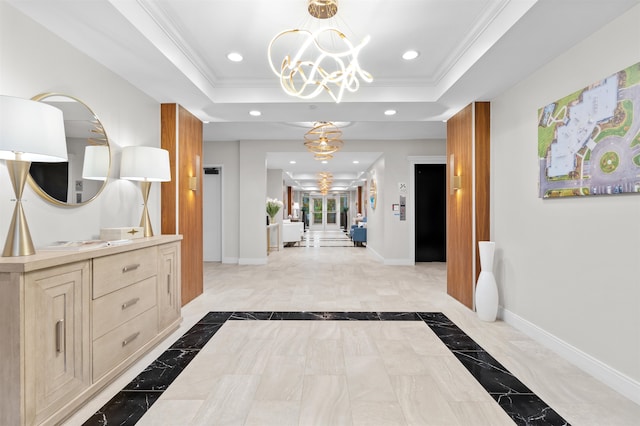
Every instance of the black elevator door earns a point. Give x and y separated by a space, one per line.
430 196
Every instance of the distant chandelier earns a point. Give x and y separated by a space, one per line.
323 140
330 70
325 179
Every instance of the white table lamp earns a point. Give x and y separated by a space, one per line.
145 164
96 162
29 131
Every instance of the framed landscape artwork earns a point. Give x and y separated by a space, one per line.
589 141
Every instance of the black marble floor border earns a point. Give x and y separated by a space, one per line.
517 400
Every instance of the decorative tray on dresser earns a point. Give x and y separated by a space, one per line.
72 321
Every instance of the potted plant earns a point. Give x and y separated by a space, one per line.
273 206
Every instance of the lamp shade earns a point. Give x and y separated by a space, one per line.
31 131
96 162
145 163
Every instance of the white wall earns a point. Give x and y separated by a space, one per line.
253 190
33 61
376 234
568 269
393 240
398 168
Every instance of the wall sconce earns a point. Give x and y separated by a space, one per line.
455 181
145 164
29 131
193 183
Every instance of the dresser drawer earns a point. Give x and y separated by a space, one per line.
114 272
118 344
116 308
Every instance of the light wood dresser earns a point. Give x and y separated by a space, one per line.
71 322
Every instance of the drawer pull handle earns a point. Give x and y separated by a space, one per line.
168 284
130 267
60 335
130 339
130 303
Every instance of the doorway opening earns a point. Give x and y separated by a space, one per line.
430 213
212 215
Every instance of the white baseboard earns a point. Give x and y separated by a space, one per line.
233 260
596 368
252 261
375 254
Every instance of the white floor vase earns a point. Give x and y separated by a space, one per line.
486 288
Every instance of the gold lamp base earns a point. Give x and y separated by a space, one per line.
145 221
18 241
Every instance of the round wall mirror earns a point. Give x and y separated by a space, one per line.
84 175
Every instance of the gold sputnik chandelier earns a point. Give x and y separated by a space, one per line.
325 179
314 68
323 140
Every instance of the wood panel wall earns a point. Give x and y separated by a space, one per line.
169 141
468 142
459 208
181 134
483 175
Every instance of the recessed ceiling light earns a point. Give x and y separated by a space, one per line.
255 113
390 112
324 161
292 162
234 57
356 162
410 54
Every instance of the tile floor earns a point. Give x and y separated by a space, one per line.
351 372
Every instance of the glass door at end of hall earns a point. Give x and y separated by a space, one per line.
324 212
331 209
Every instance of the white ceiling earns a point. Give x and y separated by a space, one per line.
175 51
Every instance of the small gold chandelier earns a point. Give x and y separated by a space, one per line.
314 68
325 179
323 140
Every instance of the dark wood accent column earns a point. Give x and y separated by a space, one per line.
181 134
483 175
468 143
359 200
289 200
